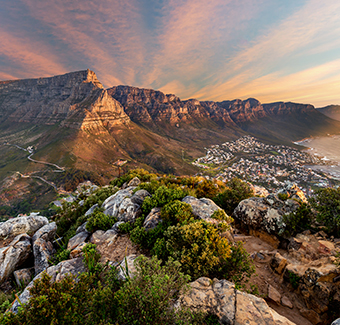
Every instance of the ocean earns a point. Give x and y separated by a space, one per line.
329 149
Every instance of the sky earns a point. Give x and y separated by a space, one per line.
271 50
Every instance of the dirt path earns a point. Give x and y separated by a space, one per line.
262 253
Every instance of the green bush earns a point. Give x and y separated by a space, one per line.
327 205
198 246
61 255
229 199
147 298
176 211
162 196
91 259
298 221
99 221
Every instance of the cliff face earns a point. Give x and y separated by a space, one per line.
146 105
75 100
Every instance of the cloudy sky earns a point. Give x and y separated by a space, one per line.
272 50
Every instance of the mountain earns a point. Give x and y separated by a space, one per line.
332 111
71 121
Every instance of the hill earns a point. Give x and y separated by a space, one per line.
332 111
93 133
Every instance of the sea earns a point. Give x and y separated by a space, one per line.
328 149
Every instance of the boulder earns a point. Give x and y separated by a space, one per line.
101 237
286 302
14 255
91 210
78 251
264 214
121 205
126 268
273 294
133 182
21 225
57 272
202 208
81 228
336 322
278 263
47 232
42 250
24 276
220 298
140 196
78 239
152 219
115 227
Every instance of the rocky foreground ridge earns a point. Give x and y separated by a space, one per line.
306 265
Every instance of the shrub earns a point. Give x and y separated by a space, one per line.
298 221
207 189
147 298
327 204
198 246
239 267
176 211
162 196
61 255
91 259
229 199
99 221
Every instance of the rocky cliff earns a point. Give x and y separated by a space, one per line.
75 100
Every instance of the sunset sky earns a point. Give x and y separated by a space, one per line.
273 50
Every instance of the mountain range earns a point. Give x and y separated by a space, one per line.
72 121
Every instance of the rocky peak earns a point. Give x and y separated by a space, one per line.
75 99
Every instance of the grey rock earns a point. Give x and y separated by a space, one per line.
57 273
336 322
23 276
265 214
42 250
101 237
115 227
47 232
14 255
78 239
81 228
91 210
81 203
202 208
121 206
134 182
152 219
128 261
140 196
293 192
21 225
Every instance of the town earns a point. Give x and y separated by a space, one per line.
265 165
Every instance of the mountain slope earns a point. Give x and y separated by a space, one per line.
332 111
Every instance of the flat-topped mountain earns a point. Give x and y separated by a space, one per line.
75 100
71 121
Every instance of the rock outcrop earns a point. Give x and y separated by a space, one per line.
75 100
20 225
14 255
231 306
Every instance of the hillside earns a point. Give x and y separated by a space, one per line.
332 111
71 121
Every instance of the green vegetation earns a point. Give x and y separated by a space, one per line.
327 205
99 221
100 298
236 191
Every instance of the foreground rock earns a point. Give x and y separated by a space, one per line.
122 205
57 272
232 307
21 225
14 255
202 208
